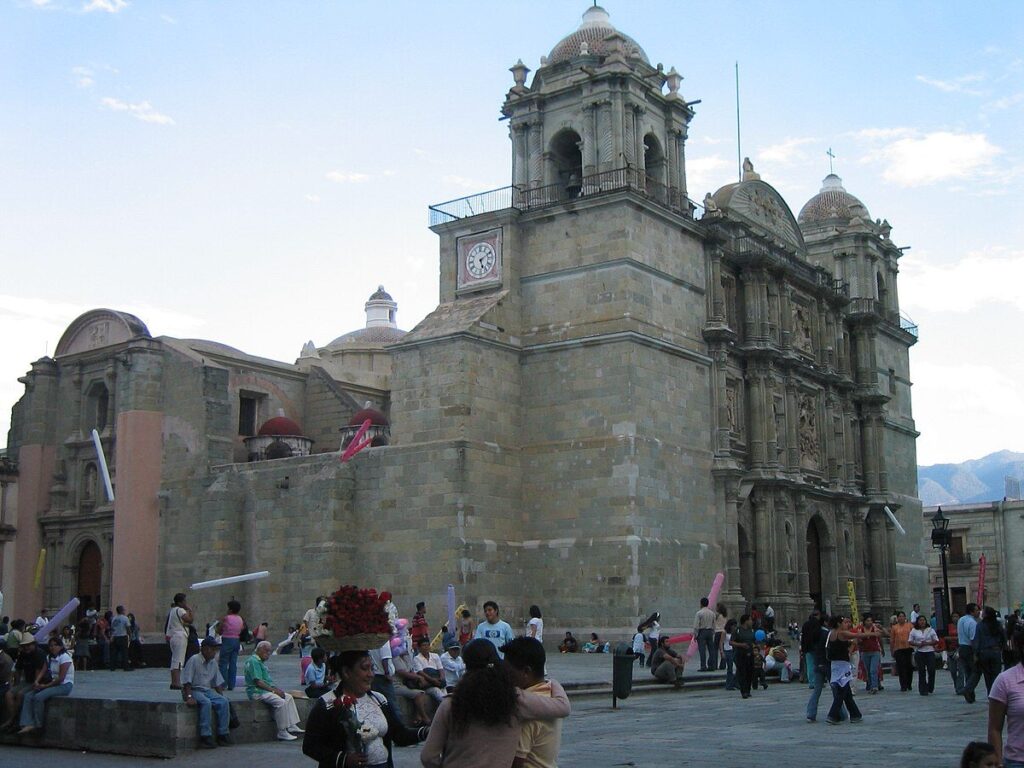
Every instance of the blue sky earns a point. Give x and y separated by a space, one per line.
250 172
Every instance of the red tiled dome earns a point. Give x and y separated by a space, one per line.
376 418
281 425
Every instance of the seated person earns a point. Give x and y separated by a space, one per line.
202 686
453 665
777 658
27 665
447 637
260 687
667 665
288 644
570 644
408 685
594 645
316 678
428 666
58 682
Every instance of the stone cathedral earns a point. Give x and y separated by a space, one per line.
621 393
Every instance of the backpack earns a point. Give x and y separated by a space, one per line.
245 635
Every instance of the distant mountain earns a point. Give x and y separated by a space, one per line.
971 481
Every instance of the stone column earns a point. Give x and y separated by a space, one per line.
755 389
803 584
786 317
520 163
792 426
589 144
606 144
719 361
629 148
732 589
876 553
717 297
747 279
762 509
536 150
771 426
681 154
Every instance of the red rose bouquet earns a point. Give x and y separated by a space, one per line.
353 619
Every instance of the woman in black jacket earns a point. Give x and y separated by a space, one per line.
354 727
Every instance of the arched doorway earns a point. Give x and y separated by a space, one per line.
567 162
654 161
90 577
814 569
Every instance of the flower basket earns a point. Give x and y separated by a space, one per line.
366 641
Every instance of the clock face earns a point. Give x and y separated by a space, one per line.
480 260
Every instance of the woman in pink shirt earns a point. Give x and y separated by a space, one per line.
1006 705
231 626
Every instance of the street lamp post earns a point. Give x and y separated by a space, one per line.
940 541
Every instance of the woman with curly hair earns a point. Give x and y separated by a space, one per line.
478 725
354 727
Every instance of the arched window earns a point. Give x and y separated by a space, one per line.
654 160
882 293
97 408
567 161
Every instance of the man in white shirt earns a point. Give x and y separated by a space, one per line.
914 614
453 664
428 666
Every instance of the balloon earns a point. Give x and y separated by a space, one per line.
759 636
683 638
54 624
716 587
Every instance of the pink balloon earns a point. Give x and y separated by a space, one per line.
716 587
683 638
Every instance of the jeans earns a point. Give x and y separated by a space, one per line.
966 662
872 663
706 648
988 663
842 695
955 673
33 706
730 676
904 658
818 678
925 672
119 652
228 662
207 700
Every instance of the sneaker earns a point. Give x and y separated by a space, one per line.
206 742
27 730
295 729
285 736
831 721
225 740
812 720
969 695
856 719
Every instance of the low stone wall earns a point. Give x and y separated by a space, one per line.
142 728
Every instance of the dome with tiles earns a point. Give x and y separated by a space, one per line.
832 202
593 30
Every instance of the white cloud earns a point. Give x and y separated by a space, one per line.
313 198
956 85
143 110
912 159
107 6
786 151
347 177
1006 101
41 4
83 77
704 174
168 19
980 278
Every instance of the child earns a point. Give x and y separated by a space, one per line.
315 677
979 754
758 675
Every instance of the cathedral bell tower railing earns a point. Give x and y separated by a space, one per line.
525 198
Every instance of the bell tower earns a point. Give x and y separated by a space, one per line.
595 115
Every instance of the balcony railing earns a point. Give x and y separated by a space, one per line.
959 558
524 198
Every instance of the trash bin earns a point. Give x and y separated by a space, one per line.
623 660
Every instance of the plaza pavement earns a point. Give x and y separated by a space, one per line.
687 727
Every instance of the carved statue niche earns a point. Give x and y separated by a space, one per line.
733 413
810 449
801 330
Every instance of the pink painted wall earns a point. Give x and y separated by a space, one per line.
138 455
36 465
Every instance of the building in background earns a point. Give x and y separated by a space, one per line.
621 393
994 529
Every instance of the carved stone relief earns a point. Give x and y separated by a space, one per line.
801 330
810 448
